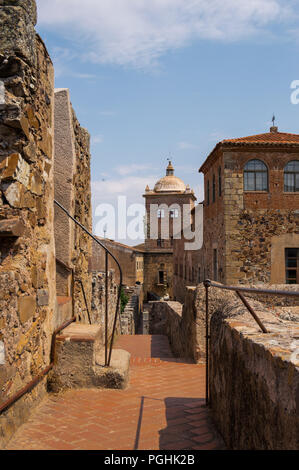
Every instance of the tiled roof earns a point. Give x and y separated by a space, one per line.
267 138
272 138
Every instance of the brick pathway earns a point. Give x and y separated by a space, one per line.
162 409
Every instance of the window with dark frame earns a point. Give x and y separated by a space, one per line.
161 277
292 265
160 242
255 176
291 177
174 213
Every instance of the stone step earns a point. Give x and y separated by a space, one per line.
79 361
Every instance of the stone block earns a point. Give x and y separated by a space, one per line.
42 297
14 193
26 308
2 93
12 228
2 353
14 167
117 375
29 6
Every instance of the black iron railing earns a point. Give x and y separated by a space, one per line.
107 254
238 291
71 270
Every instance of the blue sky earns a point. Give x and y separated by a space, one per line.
152 79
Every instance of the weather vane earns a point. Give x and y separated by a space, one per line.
273 119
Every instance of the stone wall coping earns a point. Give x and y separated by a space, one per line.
80 333
281 341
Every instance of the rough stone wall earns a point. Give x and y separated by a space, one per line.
99 301
83 213
254 380
27 263
214 222
127 257
250 230
64 169
130 317
254 219
178 323
187 268
153 263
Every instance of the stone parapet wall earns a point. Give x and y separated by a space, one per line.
131 318
99 301
254 379
178 323
194 308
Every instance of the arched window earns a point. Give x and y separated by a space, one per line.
255 176
291 177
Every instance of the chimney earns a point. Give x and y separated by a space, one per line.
274 129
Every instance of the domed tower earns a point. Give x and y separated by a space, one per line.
164 222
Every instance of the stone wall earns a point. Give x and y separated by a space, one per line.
185 324
254 379
83 213
258 225
27 263
153 263
129 258
130 317
178 323
72 190
246 232
99 301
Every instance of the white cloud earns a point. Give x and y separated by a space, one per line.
139 32
131 186
97 139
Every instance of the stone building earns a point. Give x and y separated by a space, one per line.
165 206
187 263
251 211
131 260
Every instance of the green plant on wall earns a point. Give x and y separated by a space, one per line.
124 299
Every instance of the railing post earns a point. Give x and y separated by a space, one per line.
120 278
250 309
207 285
106 308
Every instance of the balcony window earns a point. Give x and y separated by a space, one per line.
255 176
291 177
292 265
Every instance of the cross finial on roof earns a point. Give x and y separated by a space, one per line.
273 128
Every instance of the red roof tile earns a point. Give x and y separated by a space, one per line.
269 137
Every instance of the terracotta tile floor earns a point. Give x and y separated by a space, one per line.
162 409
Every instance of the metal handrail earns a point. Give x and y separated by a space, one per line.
107 252
84 296
208 283
4 406
71 270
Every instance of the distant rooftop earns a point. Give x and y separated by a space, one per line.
272 138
